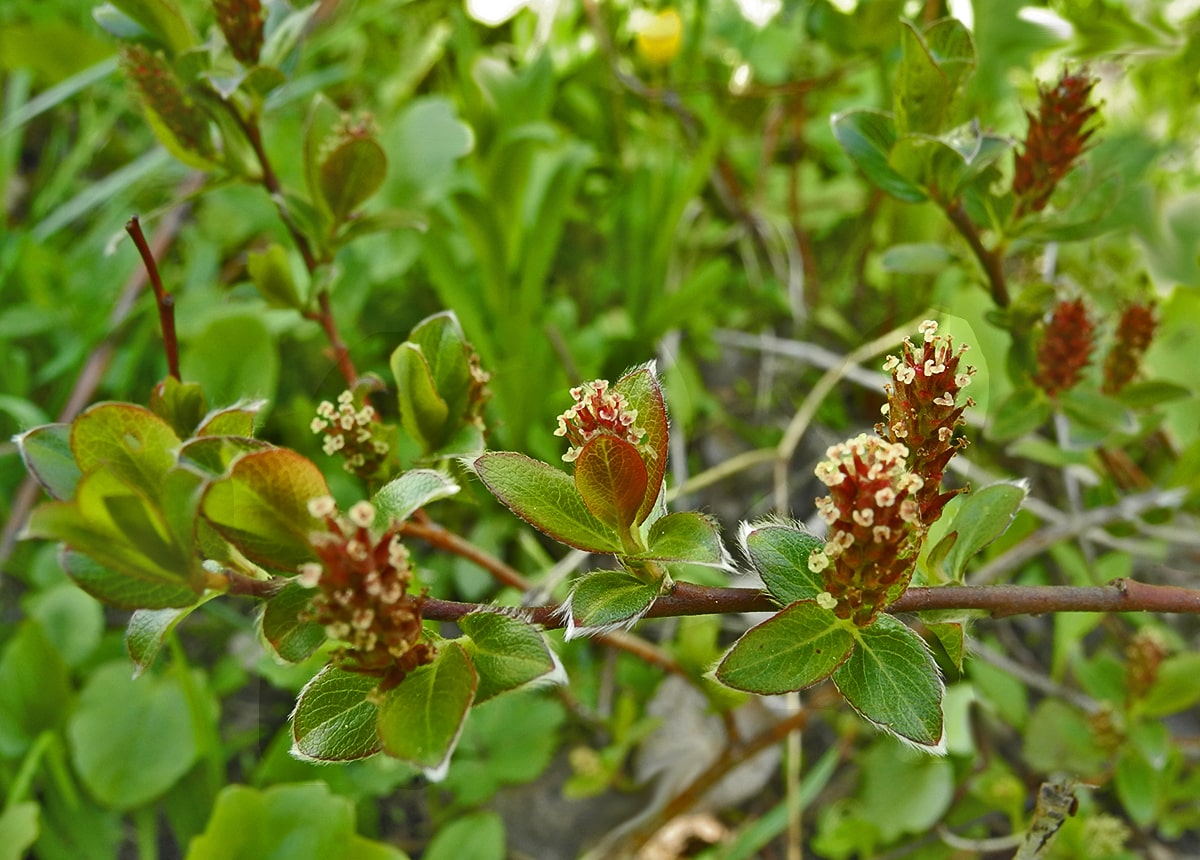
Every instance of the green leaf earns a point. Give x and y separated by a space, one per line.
1175 688
119 590
146 632
350 174
180 404
129 441
162 19
46 453
236 420
334 720
643 392
794 649
687 537
508 653
433 138
607 600
546 498
293 638
397 500
611 479
932 68
131 740
120 529
299 821
1150 393
478 836
925 797
983 516
779 552
262 507
37 689
18 830
953 639
447 352
892 681
918 258
215 454
271 272
421 719
423 412
868 137
70 618
1021 412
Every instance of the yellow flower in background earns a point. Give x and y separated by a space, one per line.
658 35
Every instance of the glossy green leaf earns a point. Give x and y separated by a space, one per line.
148 630
952 636
129 441
983 515
643 392
779 552
421 719
794 649
262 507
546 498
397 500
611 479
163 19
892 681
131 740
333 719
868 137
1175 688
37 689
46 453
295 821
607 600
350 174
687 537
70 618
121 591
508 653
271 272
293 638
319 127
423 412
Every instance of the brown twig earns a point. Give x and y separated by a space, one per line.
422 527
165 301
1120 595
992 262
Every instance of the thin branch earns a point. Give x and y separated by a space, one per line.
999 601
165 301
993 264
422 527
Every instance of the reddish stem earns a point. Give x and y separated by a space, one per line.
993 264
165 301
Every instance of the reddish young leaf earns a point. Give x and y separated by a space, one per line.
611 478
643 392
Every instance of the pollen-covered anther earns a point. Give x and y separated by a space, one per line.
885 497
829 473
891 363
864 517
827 510
597 411
817 561
910 512
363 618
322 507
906 374
362 514
881 534
962 380
946 400
929 329
932 368
309 574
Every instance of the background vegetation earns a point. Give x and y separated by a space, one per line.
588 192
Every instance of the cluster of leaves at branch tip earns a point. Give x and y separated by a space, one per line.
612 502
